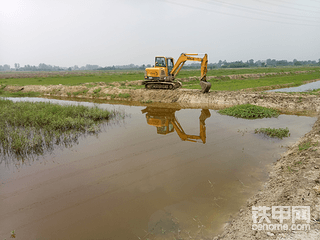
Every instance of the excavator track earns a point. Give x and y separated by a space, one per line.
162 85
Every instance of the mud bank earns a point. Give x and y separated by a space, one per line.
294 181
185 97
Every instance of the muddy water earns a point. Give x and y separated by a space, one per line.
143 177
303 88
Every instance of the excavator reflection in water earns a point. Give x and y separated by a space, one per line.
166 122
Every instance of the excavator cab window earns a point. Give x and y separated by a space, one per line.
165 129
169 64
160 62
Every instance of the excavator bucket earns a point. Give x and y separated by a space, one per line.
205 86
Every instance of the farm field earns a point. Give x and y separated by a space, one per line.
219 78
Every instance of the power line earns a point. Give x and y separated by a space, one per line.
279 5
235 15
297 4
254 10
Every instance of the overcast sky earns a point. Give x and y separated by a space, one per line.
109 32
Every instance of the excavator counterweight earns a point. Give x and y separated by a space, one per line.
164 72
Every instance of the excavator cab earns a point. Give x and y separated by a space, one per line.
163 125
165 121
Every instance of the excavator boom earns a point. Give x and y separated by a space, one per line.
204 62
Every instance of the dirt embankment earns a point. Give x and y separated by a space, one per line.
294 181
185 97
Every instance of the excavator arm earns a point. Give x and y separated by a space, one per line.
189 57
205 113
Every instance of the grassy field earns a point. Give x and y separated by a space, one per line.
28 128
73 79
219 83
236 84
232 71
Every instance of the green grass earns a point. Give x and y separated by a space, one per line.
217 84
249 111
305 146
80 92
19 94
72 80
96 91
274 132
124 95
28 128
237 84
221 72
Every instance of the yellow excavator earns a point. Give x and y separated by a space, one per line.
165 121
162 75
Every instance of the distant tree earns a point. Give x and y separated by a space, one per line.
142 67
282 63
211 66
268 61
75 67
258 63
297 63
272 62
238 64
91 67
45 67
16 66
6 67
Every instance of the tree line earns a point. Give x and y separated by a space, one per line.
221 64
